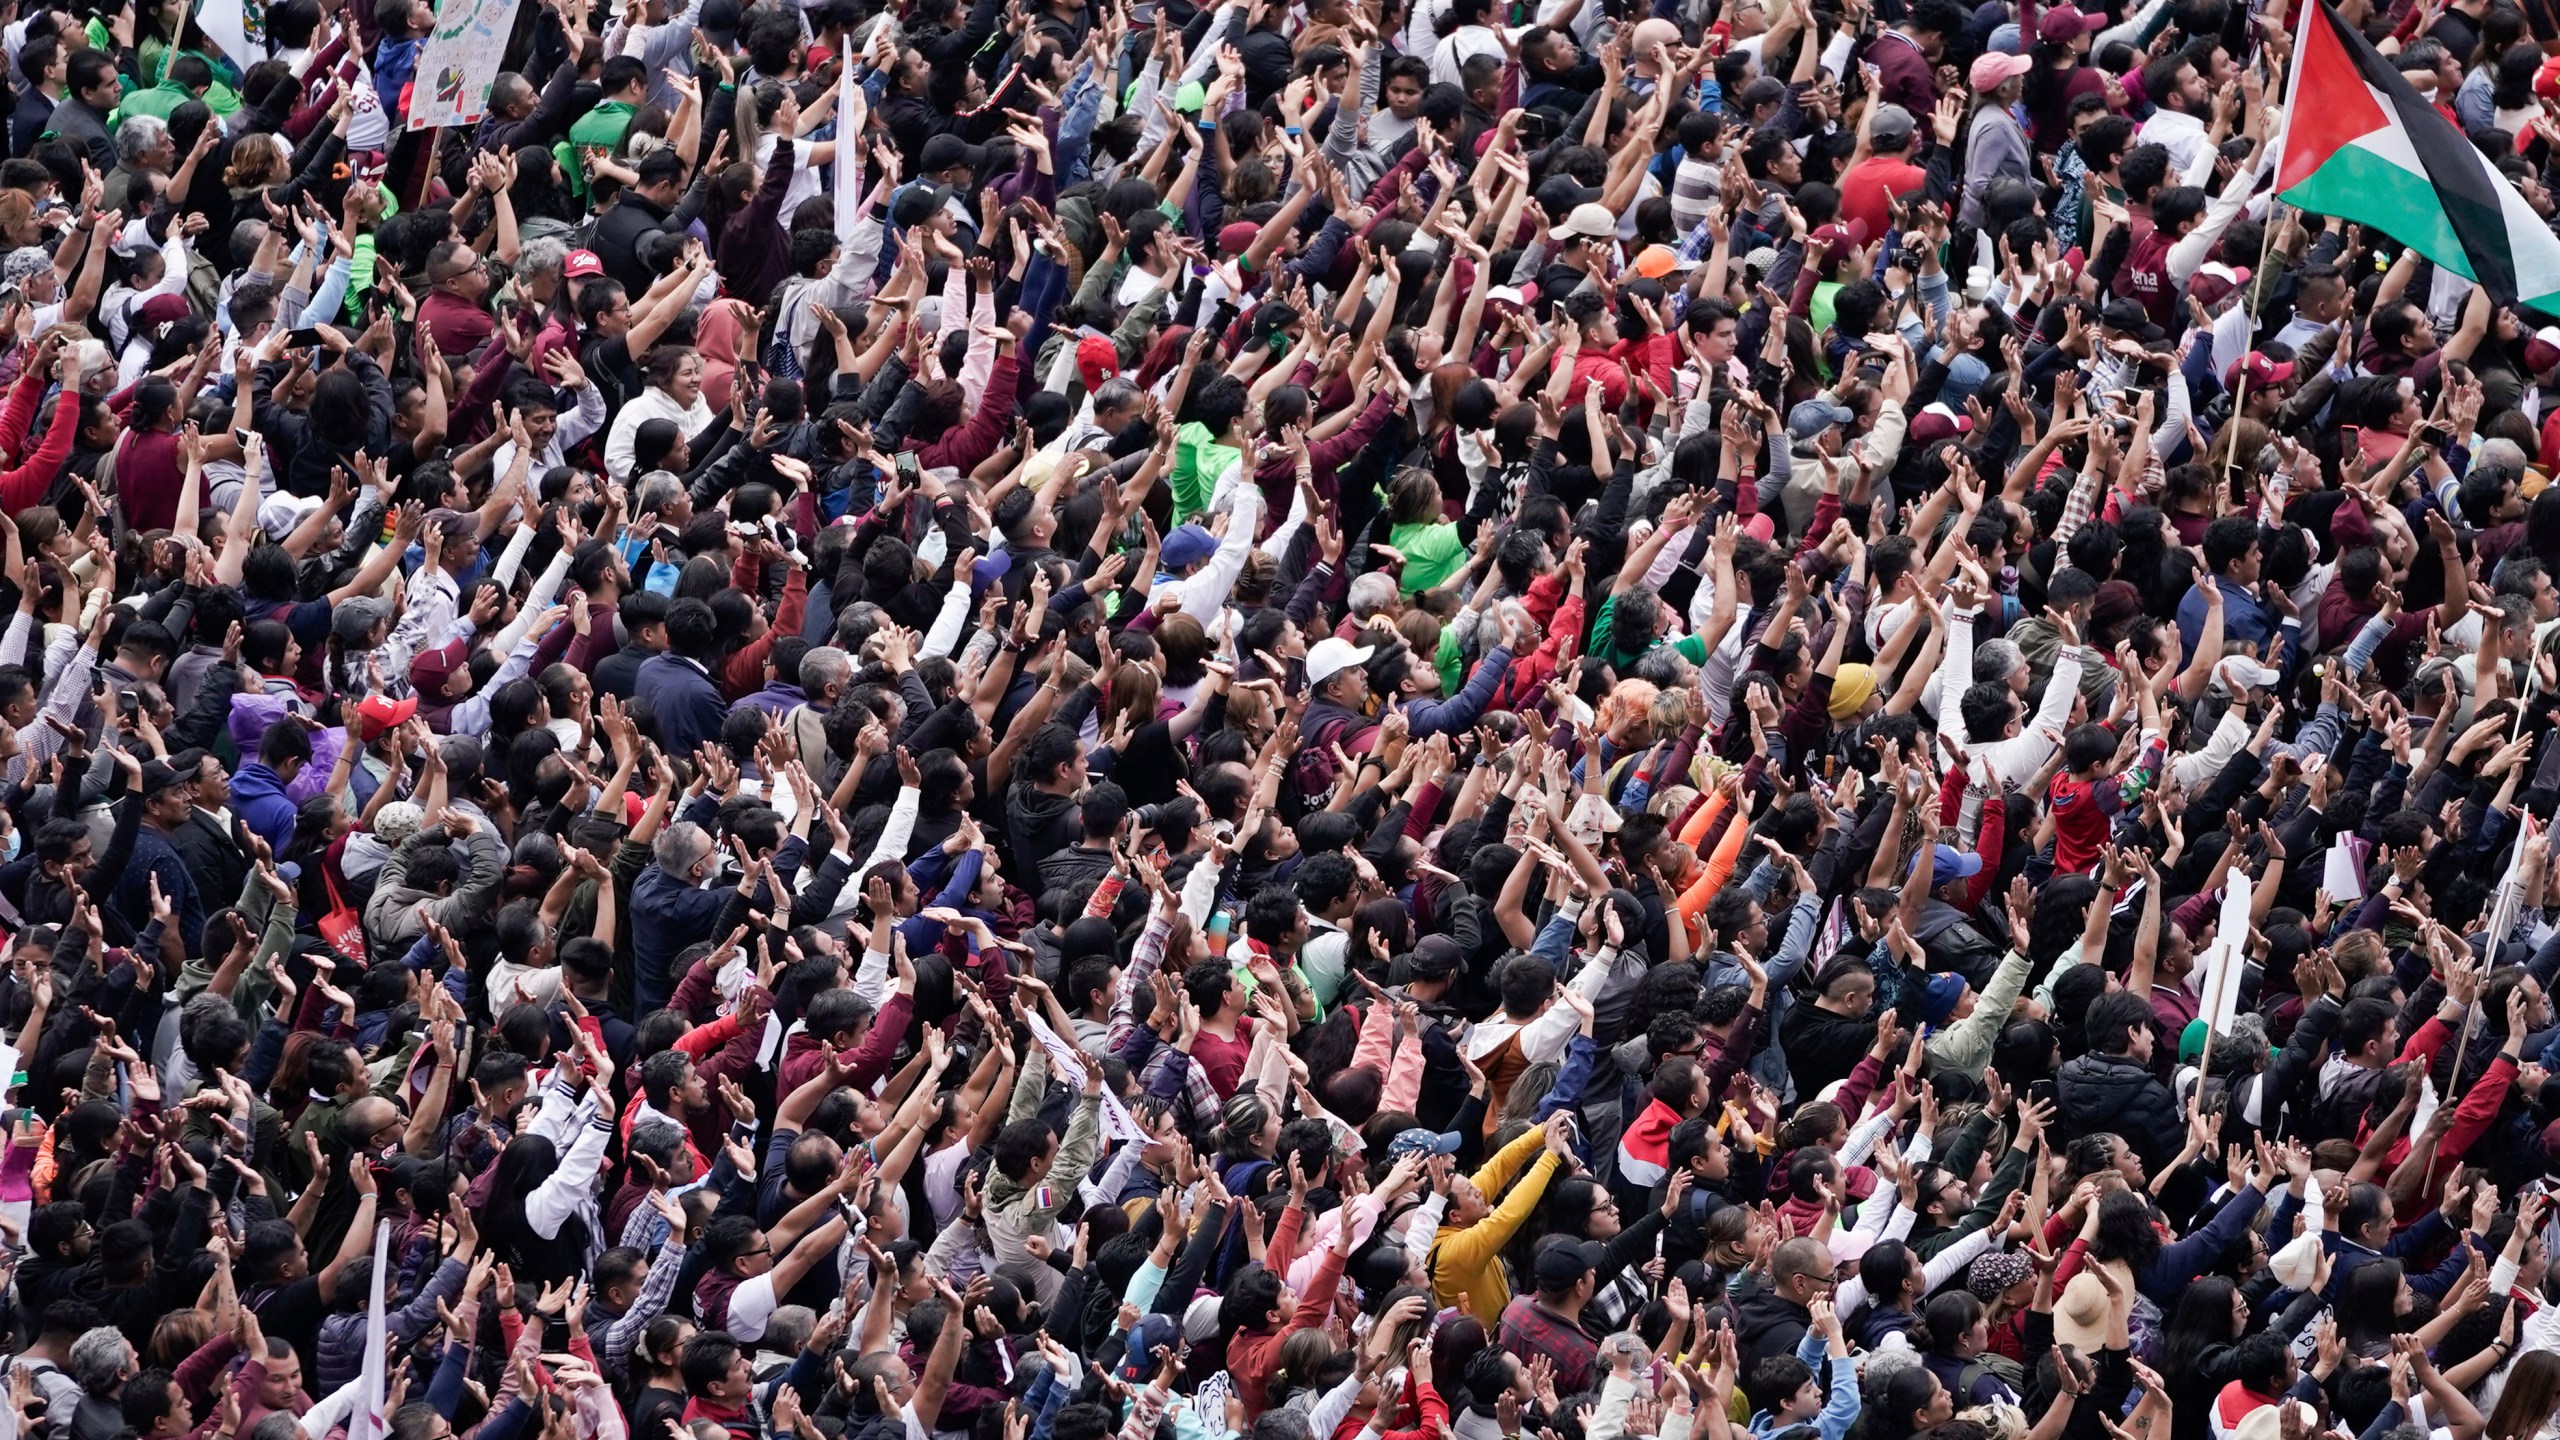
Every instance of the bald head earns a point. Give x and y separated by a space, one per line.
1799 1267
365 1119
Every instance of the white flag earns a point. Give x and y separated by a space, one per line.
368 1422
2340 875
2428 1100
237 27
2217 984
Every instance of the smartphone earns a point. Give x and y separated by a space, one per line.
307 335
2041 1091
907 466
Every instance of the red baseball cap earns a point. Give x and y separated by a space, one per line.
380 712
1938 422
1097 360
2264 372
582 264
2064 23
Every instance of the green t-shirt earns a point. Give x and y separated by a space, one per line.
1604 645
1199 458
1432 553
597 133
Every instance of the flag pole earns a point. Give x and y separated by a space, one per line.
2266 240
2257 296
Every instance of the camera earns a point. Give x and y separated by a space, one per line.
1144 817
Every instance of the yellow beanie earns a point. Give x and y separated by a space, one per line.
1850 689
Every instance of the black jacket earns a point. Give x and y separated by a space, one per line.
2116 1094
618 233
1767 1323
218 858
28 120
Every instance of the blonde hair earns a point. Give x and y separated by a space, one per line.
2000 1421
1248 710
257 161
1669 712
1136 694
1630 700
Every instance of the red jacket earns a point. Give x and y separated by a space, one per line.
803 1056
1435 1416
1253 1355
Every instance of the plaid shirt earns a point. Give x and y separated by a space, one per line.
2075 510
1529 1328
613 1335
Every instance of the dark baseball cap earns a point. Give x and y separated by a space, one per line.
1434 956
178 769
1564 1261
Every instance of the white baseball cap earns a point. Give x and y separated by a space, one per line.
1330 657
2239 672
1586 221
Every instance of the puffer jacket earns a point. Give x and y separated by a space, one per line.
341 1349
2116 1094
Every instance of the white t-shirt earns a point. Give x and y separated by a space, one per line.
804 181
514 984
1463 44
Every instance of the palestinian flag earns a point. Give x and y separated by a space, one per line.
2360 144
1644 1151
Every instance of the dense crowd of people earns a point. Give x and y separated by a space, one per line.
1273 720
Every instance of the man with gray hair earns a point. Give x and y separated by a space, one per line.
143 153
824 674
41 284
661 508
1999 661
786 1331
1373 596
101 1361
1114 403
674 905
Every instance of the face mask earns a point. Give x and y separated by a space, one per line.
9 851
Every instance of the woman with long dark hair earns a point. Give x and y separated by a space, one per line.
1952 1334
2375 1303
539 1212
2061 74
2200 1353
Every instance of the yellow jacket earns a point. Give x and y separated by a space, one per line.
1466 1260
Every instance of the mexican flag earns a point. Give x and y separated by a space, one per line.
2362 145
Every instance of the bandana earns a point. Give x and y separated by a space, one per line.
1996 1272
